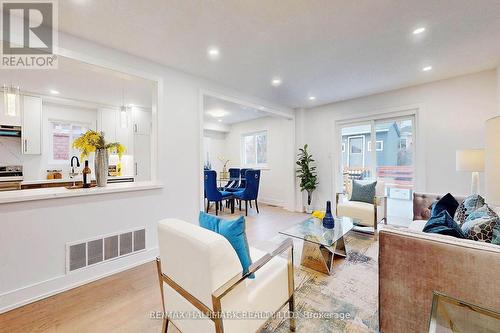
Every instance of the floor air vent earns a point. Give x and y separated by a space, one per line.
90 252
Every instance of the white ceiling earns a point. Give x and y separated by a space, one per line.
332 49
228 112
83 82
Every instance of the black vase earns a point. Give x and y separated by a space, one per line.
328 221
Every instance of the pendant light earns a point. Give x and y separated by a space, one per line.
123 112
11 100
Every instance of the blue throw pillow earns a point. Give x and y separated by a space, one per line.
234 232
447 203
363 192
443 224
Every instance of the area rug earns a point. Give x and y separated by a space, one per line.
345 301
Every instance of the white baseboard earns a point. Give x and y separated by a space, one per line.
271 201
43 289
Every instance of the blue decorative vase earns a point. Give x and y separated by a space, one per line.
328 221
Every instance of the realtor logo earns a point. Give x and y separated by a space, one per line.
29 34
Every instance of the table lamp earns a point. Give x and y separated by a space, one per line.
471 160
492 161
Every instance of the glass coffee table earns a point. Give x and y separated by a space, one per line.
321 245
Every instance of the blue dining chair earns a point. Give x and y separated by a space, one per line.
251 191
234 173
211 191
242 183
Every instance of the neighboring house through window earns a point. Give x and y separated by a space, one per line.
380 145
254 149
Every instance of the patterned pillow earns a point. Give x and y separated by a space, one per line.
470 204
480 223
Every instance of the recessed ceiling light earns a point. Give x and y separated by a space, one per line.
426 68
54 92
213 53
276 82
312 98
217 113
220 120
418 31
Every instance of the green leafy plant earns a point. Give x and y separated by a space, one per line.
306 172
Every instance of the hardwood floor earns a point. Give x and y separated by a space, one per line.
123 302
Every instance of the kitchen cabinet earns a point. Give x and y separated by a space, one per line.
107 123
6 119
142 121
31 128
142 157
124 130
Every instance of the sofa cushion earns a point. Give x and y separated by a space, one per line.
417 225
470 204
480 223
443 224
234 232
447 203
363 192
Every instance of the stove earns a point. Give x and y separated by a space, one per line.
11 173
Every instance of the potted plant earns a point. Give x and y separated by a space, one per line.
93 141
307 175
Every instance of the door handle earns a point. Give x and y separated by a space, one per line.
135 128
25 145
136 169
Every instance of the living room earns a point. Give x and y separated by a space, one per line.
384 115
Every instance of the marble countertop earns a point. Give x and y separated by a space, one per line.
63 192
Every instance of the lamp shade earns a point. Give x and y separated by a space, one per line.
470 160
492 161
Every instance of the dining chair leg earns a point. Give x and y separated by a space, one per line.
250 203
231 203
216 208
208 205
246 207
256 206
240 204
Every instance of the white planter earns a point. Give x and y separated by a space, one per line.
308 209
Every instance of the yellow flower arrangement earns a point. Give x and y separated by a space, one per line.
318 214
90 141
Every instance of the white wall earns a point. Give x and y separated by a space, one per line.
451 116
276 177
214 143
34 234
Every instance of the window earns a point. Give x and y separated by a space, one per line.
403 143
62 135
254 149
380 145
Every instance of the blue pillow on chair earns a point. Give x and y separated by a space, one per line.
443 224
234 232
363 191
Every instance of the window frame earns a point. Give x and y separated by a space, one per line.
376 144
243 156
72 151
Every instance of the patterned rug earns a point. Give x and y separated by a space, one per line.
346 301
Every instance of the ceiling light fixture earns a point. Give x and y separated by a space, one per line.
220 120
418 31
11 100
124 112
217 113
312 98
276 82
54 92
213 53
426 68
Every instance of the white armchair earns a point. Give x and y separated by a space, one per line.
200 274
368 214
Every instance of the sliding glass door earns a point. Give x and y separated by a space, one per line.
382 149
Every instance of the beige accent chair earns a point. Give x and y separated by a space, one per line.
200 273
368 214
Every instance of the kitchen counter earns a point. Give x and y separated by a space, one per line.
66 180
62 192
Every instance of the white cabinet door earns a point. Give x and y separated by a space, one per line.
142 157
124 131
106 123
31 128
142 121
6 119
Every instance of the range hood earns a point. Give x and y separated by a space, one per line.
10 131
